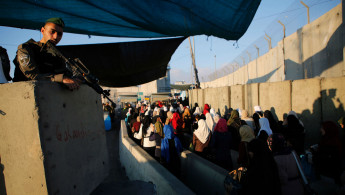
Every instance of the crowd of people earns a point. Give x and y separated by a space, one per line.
266 147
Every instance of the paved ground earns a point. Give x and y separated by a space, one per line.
117 181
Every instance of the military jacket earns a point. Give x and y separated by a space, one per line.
34 63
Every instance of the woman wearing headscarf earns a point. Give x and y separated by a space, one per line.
290 179
294 133
206 109
201 136
181 108
265 129
247 119
256 116
262 173
234 123
247 135
176 123
144 133
196 105
213 112
216 118
197 111
221 142
171 148
157 136
169 117
273 123
187 120
327 156
210 122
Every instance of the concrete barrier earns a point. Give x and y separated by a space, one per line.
237 100
52 140
251 96
333 98
314 100
306 102
276 97
139 165
202 176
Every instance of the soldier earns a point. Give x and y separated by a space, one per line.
34 63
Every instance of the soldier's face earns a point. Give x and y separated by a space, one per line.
51 32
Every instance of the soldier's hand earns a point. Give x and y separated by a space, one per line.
71 83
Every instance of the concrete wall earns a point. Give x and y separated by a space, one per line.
315 50
237 96
314 100
140 165
276 97
202 176
52 140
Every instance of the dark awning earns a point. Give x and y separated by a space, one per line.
125 64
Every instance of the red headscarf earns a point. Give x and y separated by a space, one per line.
206 109
176 121
221 126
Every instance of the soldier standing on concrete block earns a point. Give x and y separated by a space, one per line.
33 63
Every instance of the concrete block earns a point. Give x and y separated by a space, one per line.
52 140
251 97
276 97
202 176
306 102
223 95
201 98
293 56
237 97
211 97
333 98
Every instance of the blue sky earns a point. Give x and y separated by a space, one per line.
206 48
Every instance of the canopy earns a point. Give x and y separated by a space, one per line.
127 63
135 18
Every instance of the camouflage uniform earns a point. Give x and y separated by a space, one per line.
33 63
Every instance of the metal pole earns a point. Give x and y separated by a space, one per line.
305 5
283 26
215 65
268 38
257 50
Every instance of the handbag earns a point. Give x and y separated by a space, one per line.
307 189
235 180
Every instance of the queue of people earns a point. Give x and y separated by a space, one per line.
264 146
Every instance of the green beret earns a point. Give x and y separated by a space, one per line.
57 21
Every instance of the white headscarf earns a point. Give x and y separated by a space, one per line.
210 122
265 126
212 112
165 108
257 109
181 108
197 111
202 132
216 118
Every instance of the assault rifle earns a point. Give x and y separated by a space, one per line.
78 70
